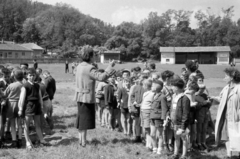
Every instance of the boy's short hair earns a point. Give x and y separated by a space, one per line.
152 66
101 70
126 71
147 83
46 72
191 65
38 70
193 86
178 82
18 74
30 71
158 82
183 69
137 69
5 71
24 64
166 74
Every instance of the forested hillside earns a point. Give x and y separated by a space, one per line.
64 28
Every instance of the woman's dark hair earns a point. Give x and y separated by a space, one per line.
234 73
166 74
178 82
191 65
86 53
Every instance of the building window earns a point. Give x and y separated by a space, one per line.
167 60
16 55
23 53
9 54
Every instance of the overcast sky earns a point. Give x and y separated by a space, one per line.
117 11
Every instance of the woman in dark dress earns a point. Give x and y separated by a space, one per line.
86 76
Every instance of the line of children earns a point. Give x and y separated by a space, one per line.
168 113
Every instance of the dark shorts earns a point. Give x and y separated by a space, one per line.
32 108
157 122
136 113
124 110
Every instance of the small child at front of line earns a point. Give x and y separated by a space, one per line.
146 110
157 116
12 93
31 106
179 112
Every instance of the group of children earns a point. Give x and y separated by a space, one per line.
25 99
165 111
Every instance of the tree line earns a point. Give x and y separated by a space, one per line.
65 29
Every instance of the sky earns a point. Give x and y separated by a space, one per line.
117 11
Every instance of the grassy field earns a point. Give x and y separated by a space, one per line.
103 143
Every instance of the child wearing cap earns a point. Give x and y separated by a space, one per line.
157 116
31 106
12 93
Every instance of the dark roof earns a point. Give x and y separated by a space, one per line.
196 49
13 47
111 52
32 46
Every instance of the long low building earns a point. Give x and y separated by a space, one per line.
204 54
20 51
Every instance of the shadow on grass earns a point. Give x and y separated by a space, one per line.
66 141
60 124
104 141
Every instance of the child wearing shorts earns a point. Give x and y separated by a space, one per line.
146 110
157 116
12 93
30 107
180 111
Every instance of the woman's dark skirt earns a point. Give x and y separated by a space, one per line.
86 116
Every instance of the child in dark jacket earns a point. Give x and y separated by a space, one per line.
110 102
157 116
180 111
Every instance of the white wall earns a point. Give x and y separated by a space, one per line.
168 58
223 58
102 58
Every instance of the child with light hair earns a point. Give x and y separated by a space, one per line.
146 110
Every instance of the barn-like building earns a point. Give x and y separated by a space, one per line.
106 56
204 54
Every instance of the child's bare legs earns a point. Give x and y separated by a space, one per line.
193 135
176 143
185 146
13 129
136 126
128 124
160 139
148 138
38 127
107 117
26 130
124 122
153 137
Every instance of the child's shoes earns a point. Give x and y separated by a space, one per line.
155 150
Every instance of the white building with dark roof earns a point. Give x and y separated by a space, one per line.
11 50
106 56
204 54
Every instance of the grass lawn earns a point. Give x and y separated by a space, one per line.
104 144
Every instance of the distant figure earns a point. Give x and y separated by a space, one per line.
35 64
73 66
66 67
